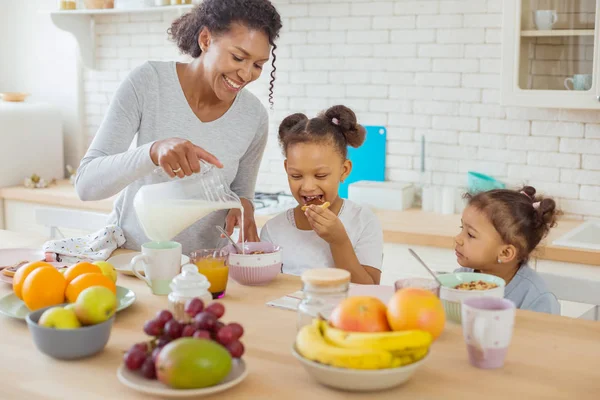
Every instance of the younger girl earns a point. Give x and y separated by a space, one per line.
340 234
500 229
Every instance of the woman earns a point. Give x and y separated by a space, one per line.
184 112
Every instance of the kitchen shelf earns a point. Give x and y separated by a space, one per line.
81 24
558 33
157 9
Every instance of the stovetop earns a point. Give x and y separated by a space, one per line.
273 203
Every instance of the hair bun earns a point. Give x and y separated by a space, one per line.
547 212
290 122
345 120
530 192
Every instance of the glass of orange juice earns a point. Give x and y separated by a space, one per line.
212 263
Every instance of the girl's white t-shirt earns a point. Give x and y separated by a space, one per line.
302 250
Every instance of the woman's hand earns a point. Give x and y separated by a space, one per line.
180 157
234 218
326 224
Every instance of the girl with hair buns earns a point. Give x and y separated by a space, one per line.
500 228
324 230
186 112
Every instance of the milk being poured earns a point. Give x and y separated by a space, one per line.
164 220
166 209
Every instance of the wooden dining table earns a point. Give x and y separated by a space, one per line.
550 357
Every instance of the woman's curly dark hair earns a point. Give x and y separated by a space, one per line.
217 16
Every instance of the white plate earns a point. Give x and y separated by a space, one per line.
121 262
153 387
10 257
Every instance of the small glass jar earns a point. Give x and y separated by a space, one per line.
186 286
67 4
324 289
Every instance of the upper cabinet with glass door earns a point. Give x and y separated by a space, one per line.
550 53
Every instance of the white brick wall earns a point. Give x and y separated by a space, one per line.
423 68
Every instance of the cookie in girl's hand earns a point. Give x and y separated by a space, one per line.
323 206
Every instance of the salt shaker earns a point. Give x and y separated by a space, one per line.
187 285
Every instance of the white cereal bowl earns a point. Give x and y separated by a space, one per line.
254 269
453 298
358 380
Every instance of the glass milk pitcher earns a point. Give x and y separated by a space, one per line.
165 209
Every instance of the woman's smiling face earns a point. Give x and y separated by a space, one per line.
234 58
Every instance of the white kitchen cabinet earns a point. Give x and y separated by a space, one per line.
550 65
19 216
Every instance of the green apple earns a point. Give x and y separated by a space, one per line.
107 269
95 304
70 307
59 318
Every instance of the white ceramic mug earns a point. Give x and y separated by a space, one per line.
487 328
162 262
545 19
579 82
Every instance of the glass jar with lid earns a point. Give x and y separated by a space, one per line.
187 285
324 289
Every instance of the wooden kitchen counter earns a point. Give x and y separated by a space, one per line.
62 194
404 227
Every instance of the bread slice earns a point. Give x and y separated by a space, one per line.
323 206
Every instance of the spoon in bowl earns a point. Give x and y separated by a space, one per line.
235 245
425 265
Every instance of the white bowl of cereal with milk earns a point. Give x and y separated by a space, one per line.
459 286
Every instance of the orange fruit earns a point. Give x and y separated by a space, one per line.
22 273
84 281
360 314
81 268
44 287
414 308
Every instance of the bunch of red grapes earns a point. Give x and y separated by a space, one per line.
164 328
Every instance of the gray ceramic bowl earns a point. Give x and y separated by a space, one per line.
69 344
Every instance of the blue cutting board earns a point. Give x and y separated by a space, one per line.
368 161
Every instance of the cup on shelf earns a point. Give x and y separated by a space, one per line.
579 82
545 19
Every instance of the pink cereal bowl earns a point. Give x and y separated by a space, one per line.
254 269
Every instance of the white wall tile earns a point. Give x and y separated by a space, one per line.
482 21
457 123
583 146
455 65
553 159
463 6
466 35
489 125
439 21
372 8
590 162
394 22
346 23
580 176
532 173
558 129
329 10
532 143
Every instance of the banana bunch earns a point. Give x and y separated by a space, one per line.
358 350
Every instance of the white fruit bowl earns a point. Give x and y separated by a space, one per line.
358 380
